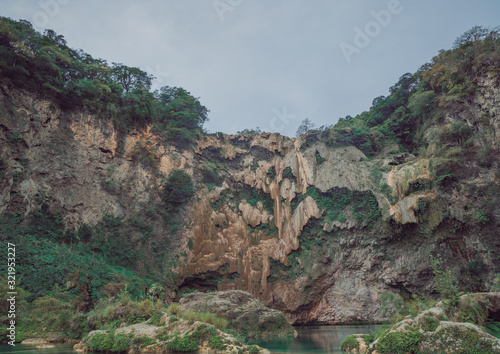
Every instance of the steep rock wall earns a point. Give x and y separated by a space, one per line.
315 231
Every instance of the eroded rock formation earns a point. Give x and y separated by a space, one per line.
314 230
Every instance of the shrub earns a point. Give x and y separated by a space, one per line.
177 190
429 324
175 309
445 284
144 341
123 310
190 315
419 185
496 283
319 159
271 173
479 216
145 153
399 342
287 173
220 323
210 173
474 309
387 191
182 344
368 338
215 342
207 317
108 342
156 319
349 344
391 304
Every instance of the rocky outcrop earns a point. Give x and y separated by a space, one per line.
438 331
246 316
171 335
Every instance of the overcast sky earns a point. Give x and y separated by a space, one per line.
264 63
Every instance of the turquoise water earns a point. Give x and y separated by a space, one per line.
315 339
311 339
32 349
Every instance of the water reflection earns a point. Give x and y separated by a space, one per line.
32 349
315 339
311 339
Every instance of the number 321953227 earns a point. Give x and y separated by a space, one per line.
11 264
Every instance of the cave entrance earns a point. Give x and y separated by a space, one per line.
493 320
204 282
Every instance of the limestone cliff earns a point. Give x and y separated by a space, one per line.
316 231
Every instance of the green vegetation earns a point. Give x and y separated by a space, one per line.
110 313
319 159
216 342
364 205
387 191
287 173
429 324
253 196
190 315
349 344
391 304
271 173
445 284
417 104
145 153
468 341
493 328
250 131
399 342
177 190
473 309
183 344
396 307
108 342
74 79
479 216
74 270
210 174
419 185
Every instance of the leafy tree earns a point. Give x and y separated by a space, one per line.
177 190
46 65
129 77
476 33
421 103
250 131
305 126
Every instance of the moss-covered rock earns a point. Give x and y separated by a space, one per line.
437 330
246 316
174 336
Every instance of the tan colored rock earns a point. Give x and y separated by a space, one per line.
34 341
254 216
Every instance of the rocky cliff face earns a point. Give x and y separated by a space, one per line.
318 232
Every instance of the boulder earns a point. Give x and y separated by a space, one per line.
246 316
438 330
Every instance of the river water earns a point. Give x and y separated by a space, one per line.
311 339
315 339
